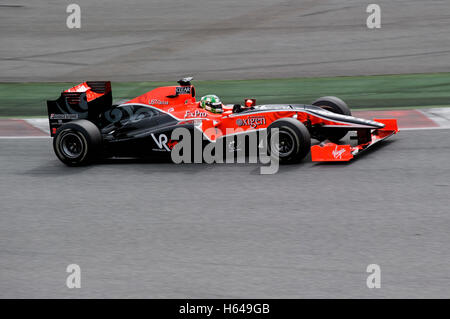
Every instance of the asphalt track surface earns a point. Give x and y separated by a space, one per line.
160 230
156 40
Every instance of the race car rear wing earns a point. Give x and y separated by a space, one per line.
331 152
87 100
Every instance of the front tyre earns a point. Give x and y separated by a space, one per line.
335 105
291 142
77 143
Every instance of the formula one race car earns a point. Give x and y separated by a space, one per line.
87 126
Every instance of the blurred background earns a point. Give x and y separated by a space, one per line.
138 43
162 40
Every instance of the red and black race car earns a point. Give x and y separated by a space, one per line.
87 126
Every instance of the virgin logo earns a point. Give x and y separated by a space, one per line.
337 154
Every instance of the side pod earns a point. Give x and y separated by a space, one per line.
331 152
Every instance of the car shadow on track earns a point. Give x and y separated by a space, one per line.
363 154
253 168
56 168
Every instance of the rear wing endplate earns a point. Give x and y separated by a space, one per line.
84 101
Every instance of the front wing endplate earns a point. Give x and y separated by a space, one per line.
331 152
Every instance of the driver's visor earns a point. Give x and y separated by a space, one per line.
216 105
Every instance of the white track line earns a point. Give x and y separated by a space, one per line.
440 116
423 128
23 137
49 137
39 123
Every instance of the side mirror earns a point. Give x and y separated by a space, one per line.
250 102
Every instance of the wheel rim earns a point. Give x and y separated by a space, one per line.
71 145
285 144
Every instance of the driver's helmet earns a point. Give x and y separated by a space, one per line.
211 103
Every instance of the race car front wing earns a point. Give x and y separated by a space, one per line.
331 152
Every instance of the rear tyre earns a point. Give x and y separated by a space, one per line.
77 143
291 143
335 105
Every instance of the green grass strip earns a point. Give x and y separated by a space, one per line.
360 92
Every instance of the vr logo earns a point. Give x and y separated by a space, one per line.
161 141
